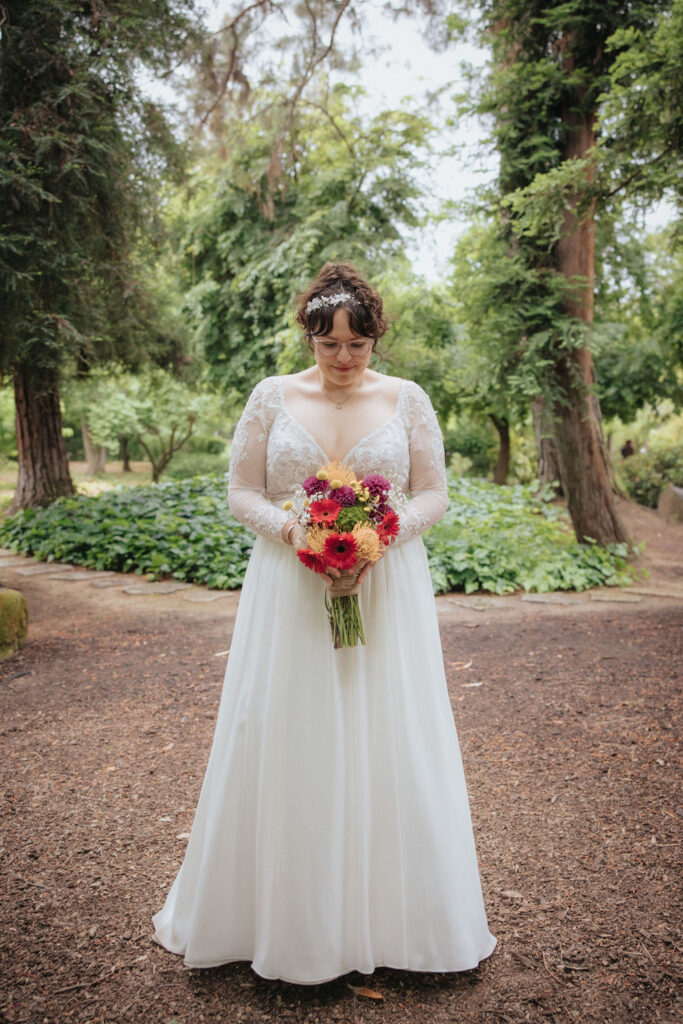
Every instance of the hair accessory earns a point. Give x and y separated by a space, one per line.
328 300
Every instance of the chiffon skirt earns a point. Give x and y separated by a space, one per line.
333 829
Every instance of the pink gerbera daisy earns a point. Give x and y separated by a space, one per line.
340 550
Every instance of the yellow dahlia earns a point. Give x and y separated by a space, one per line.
338 471
316 536
368 543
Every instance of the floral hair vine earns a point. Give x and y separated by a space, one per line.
328 300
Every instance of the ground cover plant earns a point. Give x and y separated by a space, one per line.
493 538
503 539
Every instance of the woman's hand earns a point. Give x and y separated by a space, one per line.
298 539
368 565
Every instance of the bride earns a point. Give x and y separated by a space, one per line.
332 831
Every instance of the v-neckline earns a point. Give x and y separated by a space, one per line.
351 450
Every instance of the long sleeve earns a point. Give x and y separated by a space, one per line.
247 472
427 484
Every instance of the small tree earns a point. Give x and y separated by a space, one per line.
159 412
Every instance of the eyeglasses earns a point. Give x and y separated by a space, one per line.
358 347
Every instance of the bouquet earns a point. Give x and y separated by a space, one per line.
348 522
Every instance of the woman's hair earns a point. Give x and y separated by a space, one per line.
364 305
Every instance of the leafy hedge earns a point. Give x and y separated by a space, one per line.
492 538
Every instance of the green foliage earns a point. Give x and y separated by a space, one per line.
475 441
555 67
513 321
154 408
8 437
646 474
184 530
503 539
186 465
641 114
494 538
262 224
638 339
78 148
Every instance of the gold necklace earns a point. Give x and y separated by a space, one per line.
338 404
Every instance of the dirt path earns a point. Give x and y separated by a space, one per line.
567 720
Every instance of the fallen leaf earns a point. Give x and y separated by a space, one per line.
369 993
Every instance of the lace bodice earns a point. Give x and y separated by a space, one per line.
272 453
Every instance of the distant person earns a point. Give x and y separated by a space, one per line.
627 449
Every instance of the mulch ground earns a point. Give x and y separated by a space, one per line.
567 729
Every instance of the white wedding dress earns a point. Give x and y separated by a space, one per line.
333 829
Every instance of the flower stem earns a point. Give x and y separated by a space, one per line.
345 620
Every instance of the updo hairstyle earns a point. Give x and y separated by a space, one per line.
366 315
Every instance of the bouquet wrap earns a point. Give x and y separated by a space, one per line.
346 584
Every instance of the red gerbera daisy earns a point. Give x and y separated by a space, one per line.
324 511
388 527
340 550
312 560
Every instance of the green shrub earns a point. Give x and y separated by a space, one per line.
472 440
207 444
645 474
492 538
185 465
181 529
503 539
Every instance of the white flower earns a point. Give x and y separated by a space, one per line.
328 300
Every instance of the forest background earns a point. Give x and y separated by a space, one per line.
150 255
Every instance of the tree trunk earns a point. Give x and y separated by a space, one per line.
584 467
124 455
502 466
95 454
585 470
43 463
546 449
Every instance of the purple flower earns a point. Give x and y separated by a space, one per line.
312 486
376 484
345 495
380 511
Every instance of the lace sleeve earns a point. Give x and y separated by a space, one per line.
247 471
427 484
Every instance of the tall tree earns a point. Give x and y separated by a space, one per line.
553 67
77 144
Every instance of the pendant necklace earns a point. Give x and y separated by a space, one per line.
339 405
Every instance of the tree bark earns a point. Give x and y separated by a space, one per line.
502 466
43 463
124 455
585 470
546 449
95 454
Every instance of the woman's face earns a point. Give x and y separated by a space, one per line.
344 367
